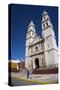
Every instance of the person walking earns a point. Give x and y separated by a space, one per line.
27 74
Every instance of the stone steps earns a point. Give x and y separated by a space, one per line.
45 71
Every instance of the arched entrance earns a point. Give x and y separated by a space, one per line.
36 63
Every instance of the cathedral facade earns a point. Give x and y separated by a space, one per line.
42 51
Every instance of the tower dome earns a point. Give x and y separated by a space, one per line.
31 23
31 26
44 13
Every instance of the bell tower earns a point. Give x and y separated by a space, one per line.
31 34
50 46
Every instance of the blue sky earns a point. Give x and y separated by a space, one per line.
21 15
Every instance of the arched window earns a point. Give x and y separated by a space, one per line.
44 25
36 48
44 17
47 24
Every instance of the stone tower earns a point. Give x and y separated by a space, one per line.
31 34
50 46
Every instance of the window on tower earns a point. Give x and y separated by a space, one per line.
44 25
47 24
44 17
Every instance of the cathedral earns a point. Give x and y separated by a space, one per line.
42 51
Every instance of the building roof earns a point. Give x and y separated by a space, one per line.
14 61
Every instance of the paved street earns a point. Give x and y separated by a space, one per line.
17 82
19 79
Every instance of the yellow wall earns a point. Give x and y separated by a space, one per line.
14 65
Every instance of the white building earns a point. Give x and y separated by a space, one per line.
41 51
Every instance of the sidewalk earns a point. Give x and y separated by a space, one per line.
41 78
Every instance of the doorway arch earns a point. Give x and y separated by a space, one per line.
36 63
